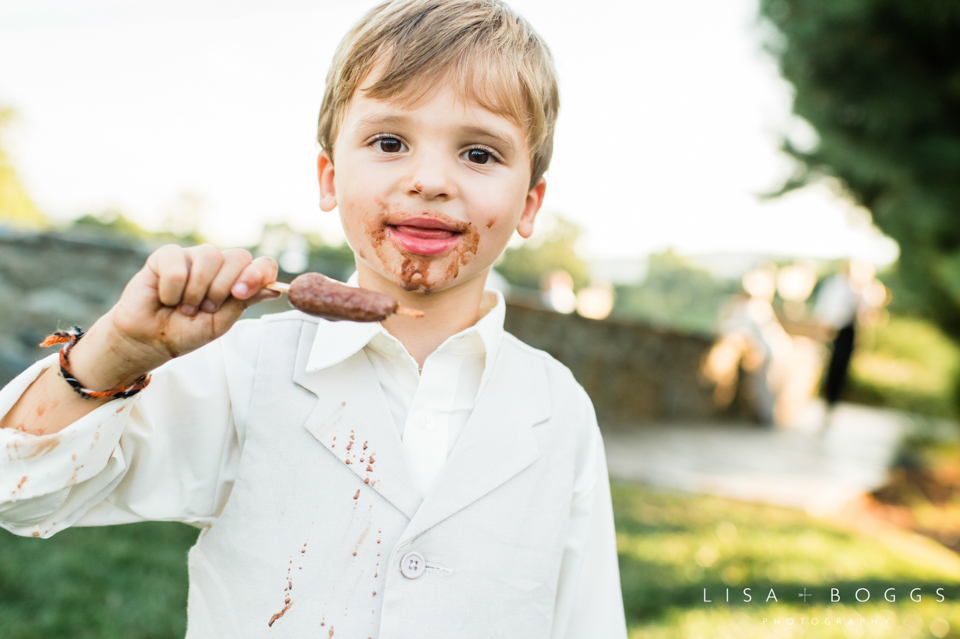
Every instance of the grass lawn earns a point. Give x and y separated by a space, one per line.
130 581
115 581
672 547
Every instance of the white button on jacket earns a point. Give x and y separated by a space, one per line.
412 565
304 492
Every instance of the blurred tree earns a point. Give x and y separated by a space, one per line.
16 208
336 261
112 222
676 294
879 81
555 249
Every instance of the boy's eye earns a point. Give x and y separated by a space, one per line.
478 156
390 145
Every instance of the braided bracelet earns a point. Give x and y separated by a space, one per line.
71 337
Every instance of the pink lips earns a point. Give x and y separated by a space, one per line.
424 236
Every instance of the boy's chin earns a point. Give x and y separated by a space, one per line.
413 281
427 274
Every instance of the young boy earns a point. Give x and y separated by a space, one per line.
429 477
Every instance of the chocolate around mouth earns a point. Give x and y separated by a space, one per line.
421 272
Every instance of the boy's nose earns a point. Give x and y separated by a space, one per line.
431 180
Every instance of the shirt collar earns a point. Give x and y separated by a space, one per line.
338 341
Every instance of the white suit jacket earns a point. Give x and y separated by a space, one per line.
312 523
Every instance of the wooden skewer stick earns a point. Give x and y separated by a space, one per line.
281 287
409 312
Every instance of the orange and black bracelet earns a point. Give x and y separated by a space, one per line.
71 337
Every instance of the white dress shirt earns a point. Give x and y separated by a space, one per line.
177 452
430 407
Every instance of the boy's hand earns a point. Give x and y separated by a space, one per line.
181 300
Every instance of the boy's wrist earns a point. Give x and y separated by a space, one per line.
105 359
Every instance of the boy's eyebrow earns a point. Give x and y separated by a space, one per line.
381 120
503 140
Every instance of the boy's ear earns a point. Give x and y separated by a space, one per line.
530 207
328 186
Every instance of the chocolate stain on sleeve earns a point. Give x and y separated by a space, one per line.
40 445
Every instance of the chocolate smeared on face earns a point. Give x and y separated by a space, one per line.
414 272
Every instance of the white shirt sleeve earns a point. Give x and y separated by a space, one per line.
589 600
169 453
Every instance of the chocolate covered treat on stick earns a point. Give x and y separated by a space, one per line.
319 295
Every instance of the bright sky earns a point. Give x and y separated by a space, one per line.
669 122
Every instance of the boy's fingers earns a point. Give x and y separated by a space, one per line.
233 307
172 267
205 262
254 277
234 261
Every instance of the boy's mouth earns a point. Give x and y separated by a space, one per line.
424 236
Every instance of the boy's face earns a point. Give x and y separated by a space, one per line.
429 194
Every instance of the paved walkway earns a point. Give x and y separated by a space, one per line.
804 467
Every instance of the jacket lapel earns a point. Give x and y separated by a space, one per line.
497 442
352 421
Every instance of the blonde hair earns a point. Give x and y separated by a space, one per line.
494 57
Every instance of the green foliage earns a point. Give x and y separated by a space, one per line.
907 364
879 81
337 262
16 208
527 265
113 222
676 295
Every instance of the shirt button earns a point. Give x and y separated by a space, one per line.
412 565
427 421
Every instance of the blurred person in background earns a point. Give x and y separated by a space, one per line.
839 303
752 342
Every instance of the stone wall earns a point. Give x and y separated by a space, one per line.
49 281
632 372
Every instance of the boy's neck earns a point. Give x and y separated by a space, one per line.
446 312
